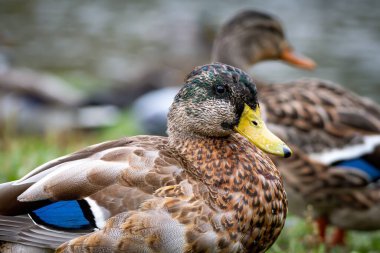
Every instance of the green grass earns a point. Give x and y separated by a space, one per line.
20 154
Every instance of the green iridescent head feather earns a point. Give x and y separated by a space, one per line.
201 84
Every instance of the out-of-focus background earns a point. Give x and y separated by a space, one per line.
60 59
107 41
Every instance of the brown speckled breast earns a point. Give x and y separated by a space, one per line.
240 193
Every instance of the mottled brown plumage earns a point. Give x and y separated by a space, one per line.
227 194
321 123
205 188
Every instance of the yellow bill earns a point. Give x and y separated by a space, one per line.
252 127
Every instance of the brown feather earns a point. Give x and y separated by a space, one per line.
221 202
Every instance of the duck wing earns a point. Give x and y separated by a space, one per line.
79 192
141 162
21 229
322 119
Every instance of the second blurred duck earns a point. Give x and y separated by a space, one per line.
32 101
334 133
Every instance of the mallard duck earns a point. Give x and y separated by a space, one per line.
334 133
205 187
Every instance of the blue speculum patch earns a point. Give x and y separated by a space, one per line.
65 215
361 164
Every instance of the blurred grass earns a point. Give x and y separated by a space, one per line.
20 154
299 236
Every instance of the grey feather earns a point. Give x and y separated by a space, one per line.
22 230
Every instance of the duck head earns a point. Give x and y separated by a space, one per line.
218 100
252 36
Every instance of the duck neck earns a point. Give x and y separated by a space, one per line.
231 51
237 55
223 156
228 57
203 153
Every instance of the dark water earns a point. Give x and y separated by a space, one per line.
119 39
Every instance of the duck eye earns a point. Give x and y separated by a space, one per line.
220 89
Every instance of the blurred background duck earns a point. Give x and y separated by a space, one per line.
36 102
334 133
32 101
163 194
